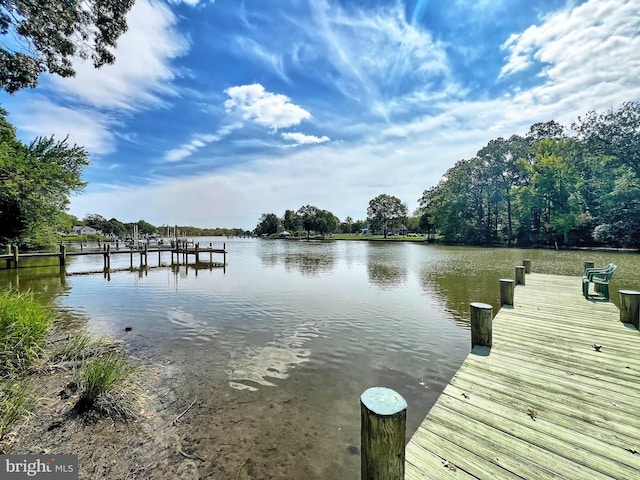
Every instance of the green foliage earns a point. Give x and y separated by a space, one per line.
15 404
268 225
386 212
35 184
307 215
291 221
101 375
546 188
24 325
45 35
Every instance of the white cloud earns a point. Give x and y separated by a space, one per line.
142 72
94 99
41 117
198 141
268 109
191 3
301 138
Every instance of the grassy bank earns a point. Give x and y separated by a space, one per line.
101 372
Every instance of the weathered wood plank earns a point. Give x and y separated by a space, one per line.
542 402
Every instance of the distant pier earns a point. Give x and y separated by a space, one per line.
181 251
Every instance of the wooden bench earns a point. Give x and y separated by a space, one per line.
600 277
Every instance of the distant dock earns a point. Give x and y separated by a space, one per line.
181 251
557 396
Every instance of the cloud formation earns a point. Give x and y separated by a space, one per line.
301 138
271 110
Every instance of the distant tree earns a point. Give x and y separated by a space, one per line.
346 225
96 221
145 228
385 212
308 215
291 221
45 35
268 225
326 222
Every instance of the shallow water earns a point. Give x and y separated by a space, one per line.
293 332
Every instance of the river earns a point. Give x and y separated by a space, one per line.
294 331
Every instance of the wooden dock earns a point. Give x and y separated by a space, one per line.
181 249
543 402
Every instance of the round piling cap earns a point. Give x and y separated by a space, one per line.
629 292
383 401
482 306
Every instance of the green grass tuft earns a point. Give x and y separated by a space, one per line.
15 404
100 376
24 324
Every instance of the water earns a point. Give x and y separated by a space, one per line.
282 342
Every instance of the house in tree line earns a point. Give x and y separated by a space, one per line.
84 230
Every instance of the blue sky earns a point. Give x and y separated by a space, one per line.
218 111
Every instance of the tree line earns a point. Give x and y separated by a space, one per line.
385 212
549 187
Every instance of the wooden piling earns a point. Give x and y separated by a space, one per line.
63 255
210 252
146 254
630 307
520 275
197 247
506 291
8 253
224 254
481 324
383 424
526 263
16 257
107 257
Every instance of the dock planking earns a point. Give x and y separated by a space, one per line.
542 402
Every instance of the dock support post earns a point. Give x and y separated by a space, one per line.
63 255
8 253
146 254
130 258
506 291
107 257
383 425
210 252
481 324
224 255
526 263
16 256
197 253
630 307
519 275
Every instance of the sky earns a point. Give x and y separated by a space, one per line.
216 112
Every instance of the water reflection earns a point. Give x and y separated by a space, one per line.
309 258
387 264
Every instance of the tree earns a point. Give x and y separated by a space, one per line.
269 224
346 225
385 212
291 221
326 222
35 183
45 36
308 215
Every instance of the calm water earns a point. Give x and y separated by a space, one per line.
298 330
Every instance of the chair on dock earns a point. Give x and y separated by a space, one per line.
600 277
